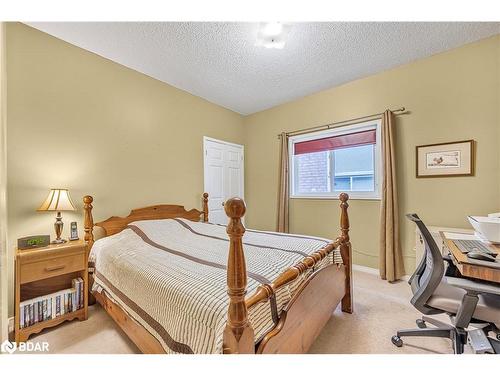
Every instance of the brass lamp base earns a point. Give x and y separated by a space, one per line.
58 226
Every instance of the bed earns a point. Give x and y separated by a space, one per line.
175 283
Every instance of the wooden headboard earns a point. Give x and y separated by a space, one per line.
116 224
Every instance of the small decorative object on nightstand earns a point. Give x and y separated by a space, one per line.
58 200
73 234
51 287
32 242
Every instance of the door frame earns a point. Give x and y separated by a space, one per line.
242 147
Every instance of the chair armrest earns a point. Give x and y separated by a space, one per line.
451 268
473 286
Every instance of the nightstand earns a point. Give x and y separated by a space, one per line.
48 271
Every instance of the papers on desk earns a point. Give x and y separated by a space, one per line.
461 236
466 236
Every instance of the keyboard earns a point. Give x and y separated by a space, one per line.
467 246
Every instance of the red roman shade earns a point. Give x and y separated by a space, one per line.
367 137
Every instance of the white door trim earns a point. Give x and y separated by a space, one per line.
205 164
205 138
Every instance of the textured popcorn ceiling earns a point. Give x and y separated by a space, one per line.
220 62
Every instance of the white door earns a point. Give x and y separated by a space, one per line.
223 166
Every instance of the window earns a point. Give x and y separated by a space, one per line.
344 159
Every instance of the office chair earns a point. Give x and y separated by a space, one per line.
464 300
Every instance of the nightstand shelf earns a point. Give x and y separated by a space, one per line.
47 270
25 333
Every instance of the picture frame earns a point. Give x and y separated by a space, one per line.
449 159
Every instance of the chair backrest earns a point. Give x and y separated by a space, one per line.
429 272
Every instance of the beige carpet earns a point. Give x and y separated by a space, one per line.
380 309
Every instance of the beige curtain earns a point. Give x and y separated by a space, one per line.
391 258
283 188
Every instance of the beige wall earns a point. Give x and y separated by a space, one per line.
79 121
452 96
3 188
498 111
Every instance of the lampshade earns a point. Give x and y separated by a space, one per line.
58 200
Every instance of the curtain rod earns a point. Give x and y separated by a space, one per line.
400 111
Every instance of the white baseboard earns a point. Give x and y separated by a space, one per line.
373 271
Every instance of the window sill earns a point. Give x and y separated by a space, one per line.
351 197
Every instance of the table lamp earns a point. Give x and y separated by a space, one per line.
58 200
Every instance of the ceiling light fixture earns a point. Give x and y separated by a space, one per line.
272 35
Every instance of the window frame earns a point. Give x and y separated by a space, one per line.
341 130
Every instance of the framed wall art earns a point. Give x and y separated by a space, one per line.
449 159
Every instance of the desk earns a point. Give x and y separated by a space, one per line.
436 235
469 269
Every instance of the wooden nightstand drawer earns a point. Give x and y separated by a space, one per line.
52 267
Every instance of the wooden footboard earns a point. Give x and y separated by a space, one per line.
312 304
303 318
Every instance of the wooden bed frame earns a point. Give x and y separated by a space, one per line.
301 320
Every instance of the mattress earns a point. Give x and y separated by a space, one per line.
170 276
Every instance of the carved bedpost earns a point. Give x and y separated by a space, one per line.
88 226
346 252
238 334
88 221
205 207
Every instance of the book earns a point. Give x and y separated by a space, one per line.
82 295
76 299
35 315
49 308
26 315
21 316
32 314
53 307
58 305
63 310
44 309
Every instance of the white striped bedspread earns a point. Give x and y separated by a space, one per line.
170 276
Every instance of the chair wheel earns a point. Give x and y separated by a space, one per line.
421 323
498 336
396 340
